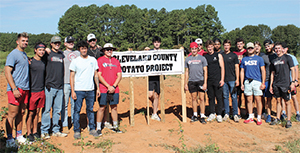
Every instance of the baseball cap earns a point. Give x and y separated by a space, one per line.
193 45
108 46
55 39
198 41
69 39
91 36
250 44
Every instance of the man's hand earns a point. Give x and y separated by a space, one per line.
242 87
221 83
204 87
98 93
17 94
48 50
271 90
74 96
237 83
292 87
186 87
111 89
262 86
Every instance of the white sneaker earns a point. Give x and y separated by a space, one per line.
21 140
236 118
219 118
11 143
59 134
226 117
108 125
45 136
211 117
155 117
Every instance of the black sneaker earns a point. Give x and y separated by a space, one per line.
117 130
275 122
283 117
30 137
99 132
288 124
298 117
202 120
36 136
194 118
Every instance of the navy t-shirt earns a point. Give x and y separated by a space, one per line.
37 75
251 66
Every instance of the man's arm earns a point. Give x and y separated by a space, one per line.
72 80
205 78
296 75
242 75
263 75
96 79
237 76
293 79
10 80
221 62
186 80
271 82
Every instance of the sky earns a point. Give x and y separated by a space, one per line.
42 16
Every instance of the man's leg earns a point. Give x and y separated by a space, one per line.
114 114
155 102
57 106
226 97
11 116
89 100
77 109
64 110
278 107
250 104
46 111
30 117
194 103
35 121
211 97
283 109
19 118
202 103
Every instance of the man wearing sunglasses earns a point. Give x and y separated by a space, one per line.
94 50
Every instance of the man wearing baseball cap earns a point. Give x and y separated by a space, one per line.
94 50
200 50
253 76
69 54
54 89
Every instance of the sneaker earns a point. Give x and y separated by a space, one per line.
240 116
283 117
268 119
59 134
211 117
298 117
219 118
288 124
21 140
45 136
117 130
249 120
258 122
155 117
275 122
30 137
226 117
108 125
94 133
99 132
66 130
202 120
77 135
11 143
194 119
236 118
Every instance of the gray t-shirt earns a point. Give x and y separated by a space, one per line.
69 56
195 66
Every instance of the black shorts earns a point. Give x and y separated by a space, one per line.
154 84
239 90
294 92
282 92
194 86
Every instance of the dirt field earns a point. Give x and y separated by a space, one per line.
229 136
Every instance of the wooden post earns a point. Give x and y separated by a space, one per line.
162 98
131 95
148 116
183 99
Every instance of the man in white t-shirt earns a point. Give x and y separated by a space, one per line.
82 76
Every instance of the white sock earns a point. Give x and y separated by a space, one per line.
115 123
202 115
258 117
297 112
195 114
251 116
283 112
99 125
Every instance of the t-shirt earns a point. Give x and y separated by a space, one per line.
295 62
281 66
267 65
195 66
20 72
55 70
201 52
251 66
240 55
84 73
213 68
230 60
95 53
69 56
271 57
109 69
37 75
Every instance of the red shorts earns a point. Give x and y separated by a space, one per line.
23 99
37 100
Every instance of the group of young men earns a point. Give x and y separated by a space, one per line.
259 76
52 77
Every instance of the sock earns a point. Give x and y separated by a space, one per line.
9 136
195 114
283 112
258 117
115 123
297 112
99 125
202 115
19 133
154 114
251 116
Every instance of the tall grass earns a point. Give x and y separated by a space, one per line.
3 56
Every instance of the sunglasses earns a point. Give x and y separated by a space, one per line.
92 40
109 49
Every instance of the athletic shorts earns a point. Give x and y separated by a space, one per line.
23 99
252 88
154 84
36 100
282 92
294 92
194 86
267 90
239 90
102 99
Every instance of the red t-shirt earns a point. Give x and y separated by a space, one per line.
240 55
109 69
201 52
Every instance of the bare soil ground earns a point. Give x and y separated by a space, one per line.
229 136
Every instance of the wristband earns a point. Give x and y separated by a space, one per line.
15 89
114 87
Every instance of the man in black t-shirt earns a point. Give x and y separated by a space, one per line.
280 84
53 90
94 50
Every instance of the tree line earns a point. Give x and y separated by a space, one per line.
127 26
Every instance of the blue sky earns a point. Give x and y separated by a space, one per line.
42 16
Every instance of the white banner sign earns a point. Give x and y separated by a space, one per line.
149 63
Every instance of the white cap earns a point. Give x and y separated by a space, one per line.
198 41
91 36
107 46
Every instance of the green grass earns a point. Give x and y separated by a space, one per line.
3 56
